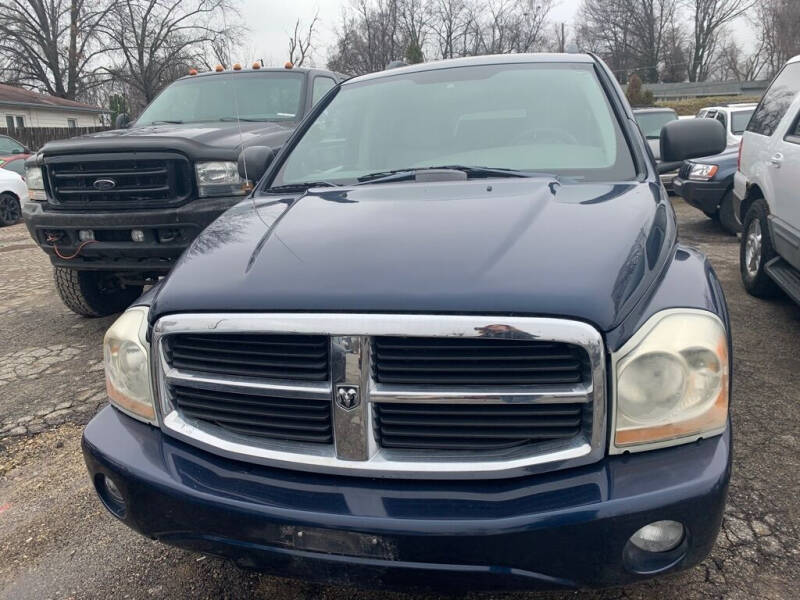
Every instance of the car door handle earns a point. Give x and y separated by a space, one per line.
777 160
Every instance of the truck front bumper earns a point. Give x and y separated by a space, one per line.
165 234
561 530
704 195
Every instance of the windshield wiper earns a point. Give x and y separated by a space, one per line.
300 187
471 172
165 122
250 120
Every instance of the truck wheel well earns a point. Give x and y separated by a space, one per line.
753 193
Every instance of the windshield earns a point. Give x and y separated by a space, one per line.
259 96
739 120
552 118
652 122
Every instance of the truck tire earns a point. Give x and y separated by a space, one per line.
727 215
755 251
10 212
93 293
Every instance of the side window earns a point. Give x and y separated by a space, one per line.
721 118
72 123
776 101
9 122
18 166
9 146
321 87
20 122
793 135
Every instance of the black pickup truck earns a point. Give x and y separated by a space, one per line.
114 210
452 341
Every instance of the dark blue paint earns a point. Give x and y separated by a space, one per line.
707 195
563 529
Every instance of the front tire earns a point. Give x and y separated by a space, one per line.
10 212
755 251
93 293
727 215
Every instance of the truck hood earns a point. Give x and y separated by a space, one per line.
192 138
517 246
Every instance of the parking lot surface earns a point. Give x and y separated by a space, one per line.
56 541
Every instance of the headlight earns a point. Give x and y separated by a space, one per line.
672 380
127 361
703 172
35 182
219 178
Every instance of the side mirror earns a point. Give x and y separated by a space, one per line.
253 162
690 138
122 121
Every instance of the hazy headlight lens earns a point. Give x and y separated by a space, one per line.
219 178
34 179
127 363
703 172
672 379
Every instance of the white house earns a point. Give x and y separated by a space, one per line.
23 108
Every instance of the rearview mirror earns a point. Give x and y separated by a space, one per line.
122 121
690 138
253 162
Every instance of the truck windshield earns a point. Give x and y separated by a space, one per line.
651 123
739 120
254 96
536 117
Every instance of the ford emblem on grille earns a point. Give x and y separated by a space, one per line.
347 396
104 184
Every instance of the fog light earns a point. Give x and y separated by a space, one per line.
111 495
659 536
86 235
137 235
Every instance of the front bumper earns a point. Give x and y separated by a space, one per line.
167 233
667 180
704 195
560 530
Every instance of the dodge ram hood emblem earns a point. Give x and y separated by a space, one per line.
104 184
347 396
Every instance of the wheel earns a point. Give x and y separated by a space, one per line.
727 216
10 212
94 293
714 216
756 251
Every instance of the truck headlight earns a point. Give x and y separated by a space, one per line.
672 381
701 172
126 353
219 178
35 182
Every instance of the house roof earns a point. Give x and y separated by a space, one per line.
15 96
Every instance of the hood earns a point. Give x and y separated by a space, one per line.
204 137
517 246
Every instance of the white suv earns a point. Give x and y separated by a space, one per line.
767 189
734 117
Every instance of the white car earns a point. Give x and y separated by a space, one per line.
13 191
734 117
766 189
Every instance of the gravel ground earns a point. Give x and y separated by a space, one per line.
57 542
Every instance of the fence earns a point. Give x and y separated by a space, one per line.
36 137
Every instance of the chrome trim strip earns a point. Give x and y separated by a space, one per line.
349 425
370 460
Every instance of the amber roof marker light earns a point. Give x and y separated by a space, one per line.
256 65
288 65
219 68
237 67
192 71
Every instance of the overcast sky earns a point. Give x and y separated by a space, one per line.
271 21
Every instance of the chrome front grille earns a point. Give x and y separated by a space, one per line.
508 396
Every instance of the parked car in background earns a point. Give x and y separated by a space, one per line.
12 192
15 163
651 121
767 187
114 210
734 118
707 184
452 341
9 146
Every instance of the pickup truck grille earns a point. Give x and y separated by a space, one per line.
127 181
421 396
258 415
473 426
298 357
475 361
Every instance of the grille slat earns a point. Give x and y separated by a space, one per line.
473 427
476 361
300 357
306 420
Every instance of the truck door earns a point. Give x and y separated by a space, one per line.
784 171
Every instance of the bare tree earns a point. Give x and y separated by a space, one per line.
158 40
53 45
777 23
710 18
735 63
301 43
